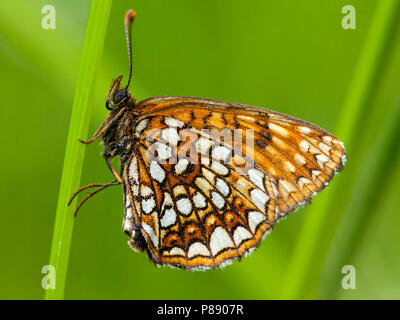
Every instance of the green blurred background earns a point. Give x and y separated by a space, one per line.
293 57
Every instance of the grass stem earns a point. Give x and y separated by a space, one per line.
74 153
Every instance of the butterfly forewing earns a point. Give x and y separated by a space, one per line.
207 179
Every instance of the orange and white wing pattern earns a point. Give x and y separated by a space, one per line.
207 180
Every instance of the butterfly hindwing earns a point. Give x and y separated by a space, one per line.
207 180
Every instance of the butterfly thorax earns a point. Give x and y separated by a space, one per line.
119 137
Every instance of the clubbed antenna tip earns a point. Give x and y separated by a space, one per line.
129 17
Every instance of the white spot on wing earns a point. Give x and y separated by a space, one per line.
179 190
324 147
181 166
217 200
128 225
259 198
175 251
304 146
241 234
205 160
171 136
257 177
164 152
321 159
299 159
286 187
303 181
304 130
245 118
167 200
184 206
220 240
274 189
290 167
169 218
209 175
315 173
279 142
156 171
220 153
148 205
145 191
172 122
255 218
199 200
222 187
203 145
149 231
219 168
242 184
204 185
198 249
278 129
129 213
134 175
327 139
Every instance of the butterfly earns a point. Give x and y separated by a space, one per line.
204 181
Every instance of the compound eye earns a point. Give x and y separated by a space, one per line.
108 105
120 95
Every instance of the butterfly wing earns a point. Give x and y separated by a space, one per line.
208 179
290 151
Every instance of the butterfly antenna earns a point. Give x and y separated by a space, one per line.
129 17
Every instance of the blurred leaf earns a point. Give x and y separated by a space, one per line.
304 269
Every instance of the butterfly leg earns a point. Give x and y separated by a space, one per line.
100 186
99 132
114 172
112 116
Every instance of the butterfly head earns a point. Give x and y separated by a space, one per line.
117 97
120 97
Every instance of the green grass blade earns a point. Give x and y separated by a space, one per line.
74 153
305 266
